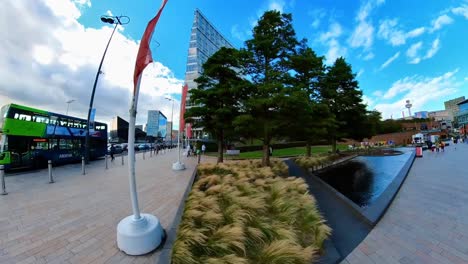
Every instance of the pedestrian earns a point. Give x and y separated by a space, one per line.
188 150
112 150
442 146
203 149
437 146
270 151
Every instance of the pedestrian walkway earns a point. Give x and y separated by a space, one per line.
428 220
74 220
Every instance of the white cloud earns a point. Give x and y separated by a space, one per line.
378 93
363 34
334 32
276 5
368 101
416 32
433 50
60 57
414 49
330 38
390 60
360 72
461 10
420 90
335 51
369 56
317 15
390 30
439 22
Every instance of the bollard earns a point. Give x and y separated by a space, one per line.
144 151
2 175
122 159
51 178
106 162
83 166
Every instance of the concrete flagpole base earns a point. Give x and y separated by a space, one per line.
177 166
139 236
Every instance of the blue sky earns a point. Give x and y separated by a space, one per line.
399 50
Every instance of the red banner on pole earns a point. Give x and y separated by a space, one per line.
182 107
144 56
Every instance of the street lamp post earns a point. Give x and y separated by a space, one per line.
68 104
114 20
172 116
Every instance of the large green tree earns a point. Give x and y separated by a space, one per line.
265 57
216 98
312 116
340 91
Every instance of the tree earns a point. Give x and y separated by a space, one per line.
265 57
340 91
217 96
312 116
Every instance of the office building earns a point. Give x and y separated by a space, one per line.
156 124
205 40
119 131
451 106
462 117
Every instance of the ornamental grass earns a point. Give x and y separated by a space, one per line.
245 213
316 162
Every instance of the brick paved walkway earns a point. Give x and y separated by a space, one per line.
428 220
74 220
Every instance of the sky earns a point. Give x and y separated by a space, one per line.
399 50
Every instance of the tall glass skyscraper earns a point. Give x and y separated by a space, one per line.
205 40
156 125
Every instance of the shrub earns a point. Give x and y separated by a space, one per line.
246 213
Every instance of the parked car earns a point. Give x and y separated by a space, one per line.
117 149
124 146
143 147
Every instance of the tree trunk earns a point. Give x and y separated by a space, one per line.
266 155
309 149
220 149
333 145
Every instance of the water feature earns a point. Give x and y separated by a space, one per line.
364 178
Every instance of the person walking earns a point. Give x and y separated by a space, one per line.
203 149
437 146
442 146
112 150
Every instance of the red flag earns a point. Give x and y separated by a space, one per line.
182 107
144 56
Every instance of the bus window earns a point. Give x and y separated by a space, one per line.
41 119
63 122
24 117
53 144
53 120
42 145
65 143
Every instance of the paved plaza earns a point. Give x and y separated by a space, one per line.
74 220
428 220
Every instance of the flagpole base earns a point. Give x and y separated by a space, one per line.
139 236
178 166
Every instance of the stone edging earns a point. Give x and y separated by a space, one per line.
372 214
165 255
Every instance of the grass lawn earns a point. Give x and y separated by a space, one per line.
286 152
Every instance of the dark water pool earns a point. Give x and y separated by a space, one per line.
364 178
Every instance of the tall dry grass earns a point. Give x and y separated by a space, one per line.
246 213
316 162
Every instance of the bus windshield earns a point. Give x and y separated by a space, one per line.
3 114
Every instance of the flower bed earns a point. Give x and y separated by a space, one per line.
244 213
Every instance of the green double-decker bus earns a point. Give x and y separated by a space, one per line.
30 137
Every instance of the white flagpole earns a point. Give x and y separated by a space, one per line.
137 234
131 152
177 166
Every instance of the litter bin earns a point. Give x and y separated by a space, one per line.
419 151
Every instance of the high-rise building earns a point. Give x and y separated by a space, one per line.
205 40
452 106
156 124
119 131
